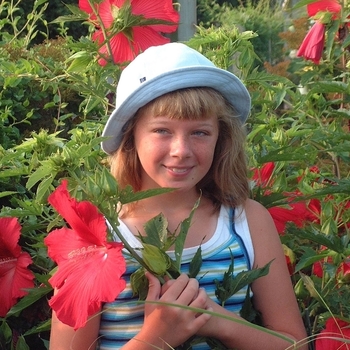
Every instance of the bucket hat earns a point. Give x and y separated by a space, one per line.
166 68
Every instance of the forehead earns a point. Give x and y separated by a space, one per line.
187 104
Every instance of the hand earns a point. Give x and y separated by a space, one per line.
171 324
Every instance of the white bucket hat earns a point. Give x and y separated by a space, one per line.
162 69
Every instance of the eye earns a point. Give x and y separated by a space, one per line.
200 133
160 131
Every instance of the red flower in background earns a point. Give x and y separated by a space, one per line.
296 212
15 276
343 272
334 328
131 39
313 44
262 176
89 267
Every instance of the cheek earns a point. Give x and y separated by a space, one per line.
148 149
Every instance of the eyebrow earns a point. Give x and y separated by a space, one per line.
157 122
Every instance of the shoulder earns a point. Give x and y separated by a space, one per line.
266 241
258 216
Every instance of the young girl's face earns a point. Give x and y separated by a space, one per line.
174 153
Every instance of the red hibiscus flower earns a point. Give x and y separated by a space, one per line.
297 212
334 328
15 276
343 272
313 44
89 268
263 175
125 34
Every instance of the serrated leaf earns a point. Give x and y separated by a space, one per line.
181 237
156 231
196 263
330 241
231 285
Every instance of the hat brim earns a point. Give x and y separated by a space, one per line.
196 76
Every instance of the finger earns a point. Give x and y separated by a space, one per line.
175 288
167 285
154 287
201 301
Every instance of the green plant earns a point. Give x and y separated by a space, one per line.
53 101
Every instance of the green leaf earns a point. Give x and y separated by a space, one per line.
232 284
21 344
42 327
196 263
248 311
43 188
156 231
42 172
33 295
79 64
139 283
5 333
128 195
181 238
7 193
330 241
309 258
156 260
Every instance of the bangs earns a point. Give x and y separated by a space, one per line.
189 104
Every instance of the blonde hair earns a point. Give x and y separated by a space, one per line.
226 182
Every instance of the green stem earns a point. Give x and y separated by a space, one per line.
103 28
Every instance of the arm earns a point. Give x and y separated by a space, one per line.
273 294
64 337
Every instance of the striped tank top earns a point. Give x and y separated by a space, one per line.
122 319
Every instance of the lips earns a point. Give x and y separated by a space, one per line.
177 170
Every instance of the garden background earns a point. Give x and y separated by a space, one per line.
55 97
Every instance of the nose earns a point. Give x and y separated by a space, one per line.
180 147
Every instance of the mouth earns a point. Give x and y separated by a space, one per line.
180 171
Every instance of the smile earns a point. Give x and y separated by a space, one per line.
179 170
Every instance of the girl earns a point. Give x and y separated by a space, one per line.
178 123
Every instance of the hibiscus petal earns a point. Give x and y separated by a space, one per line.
63 242
263 175
86 281
157 9
15 277
334 328
83 216
296 213
323 5
10 230
105 12
121 49
145 37
312 46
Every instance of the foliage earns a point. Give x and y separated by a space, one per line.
53 101
265 18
